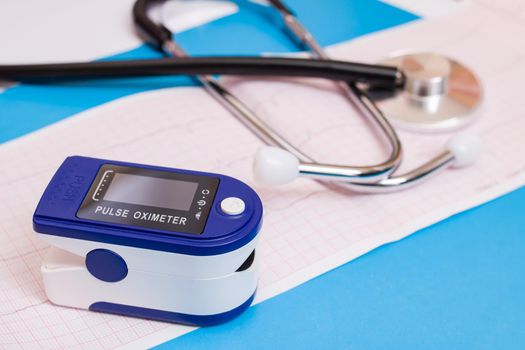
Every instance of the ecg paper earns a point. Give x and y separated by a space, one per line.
308 228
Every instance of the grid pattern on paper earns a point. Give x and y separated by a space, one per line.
305 223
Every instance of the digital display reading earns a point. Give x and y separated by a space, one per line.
152 191
168 201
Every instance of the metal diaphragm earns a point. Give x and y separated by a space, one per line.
439 94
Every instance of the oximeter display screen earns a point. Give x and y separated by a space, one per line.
152 191
149 198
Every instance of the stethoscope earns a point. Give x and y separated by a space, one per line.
418 91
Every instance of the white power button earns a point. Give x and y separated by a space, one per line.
232 206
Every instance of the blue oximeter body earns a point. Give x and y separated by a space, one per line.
145 241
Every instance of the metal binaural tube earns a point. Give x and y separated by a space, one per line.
268 135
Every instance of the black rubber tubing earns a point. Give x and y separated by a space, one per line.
374 75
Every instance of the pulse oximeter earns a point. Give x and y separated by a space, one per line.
145 241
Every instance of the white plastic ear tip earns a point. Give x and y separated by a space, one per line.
465 148
275 166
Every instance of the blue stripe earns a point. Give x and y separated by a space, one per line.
167 316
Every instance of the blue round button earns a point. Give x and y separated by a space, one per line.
106 265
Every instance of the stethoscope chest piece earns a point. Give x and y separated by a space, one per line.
439 94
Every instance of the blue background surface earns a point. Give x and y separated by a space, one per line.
457 284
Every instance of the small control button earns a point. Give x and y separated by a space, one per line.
232 206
